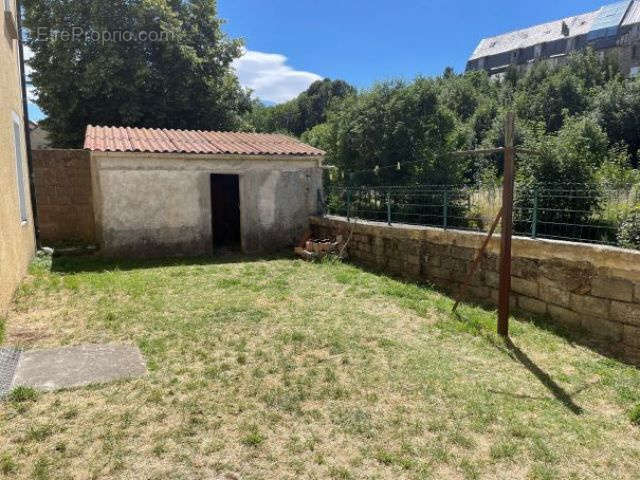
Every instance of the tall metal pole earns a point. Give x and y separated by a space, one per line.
507 227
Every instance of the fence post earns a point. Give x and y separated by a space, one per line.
388 208
445 208
504 287
348 205
534 220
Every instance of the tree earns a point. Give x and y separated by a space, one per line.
303 112
617 108
396 133
545 94
139 63
563 179
593 70
463 94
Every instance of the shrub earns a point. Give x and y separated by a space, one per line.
629 233
23 394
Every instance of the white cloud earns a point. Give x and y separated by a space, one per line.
28 54
267 74
270 78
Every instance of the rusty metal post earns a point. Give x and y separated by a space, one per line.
507 227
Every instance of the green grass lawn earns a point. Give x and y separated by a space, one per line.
277 368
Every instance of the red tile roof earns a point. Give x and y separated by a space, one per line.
125 139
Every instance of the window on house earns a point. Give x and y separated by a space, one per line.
634 52
19 155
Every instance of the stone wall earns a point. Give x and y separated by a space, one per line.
64 197
591 287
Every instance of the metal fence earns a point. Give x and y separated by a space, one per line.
562 212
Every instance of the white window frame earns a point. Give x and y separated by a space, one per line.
19 161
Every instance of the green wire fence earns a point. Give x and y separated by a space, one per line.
563 212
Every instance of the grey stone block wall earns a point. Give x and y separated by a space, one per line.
591 287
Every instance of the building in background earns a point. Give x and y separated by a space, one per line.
17 241
613 29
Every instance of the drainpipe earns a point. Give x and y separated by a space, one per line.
27 132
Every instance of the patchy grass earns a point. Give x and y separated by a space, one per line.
7 465
253 437
634 415
276 368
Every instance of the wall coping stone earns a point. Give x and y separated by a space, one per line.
625 263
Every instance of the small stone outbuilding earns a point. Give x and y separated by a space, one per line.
177 192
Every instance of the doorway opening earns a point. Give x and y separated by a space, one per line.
225 211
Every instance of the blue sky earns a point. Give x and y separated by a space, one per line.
365 41
291 43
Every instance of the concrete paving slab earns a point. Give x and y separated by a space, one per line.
78 366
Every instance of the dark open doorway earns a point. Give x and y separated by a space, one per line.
225 210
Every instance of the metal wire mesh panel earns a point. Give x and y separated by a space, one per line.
554 211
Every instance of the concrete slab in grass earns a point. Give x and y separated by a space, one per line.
77 366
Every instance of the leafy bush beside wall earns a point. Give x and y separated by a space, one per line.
629 234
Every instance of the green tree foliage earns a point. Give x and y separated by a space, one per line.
582 113
140 63
396 132
548 94
582 116
562 179
629 234
303 112
617 108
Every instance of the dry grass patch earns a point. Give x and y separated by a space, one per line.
276 368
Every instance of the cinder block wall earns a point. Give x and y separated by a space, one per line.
63 195
575 285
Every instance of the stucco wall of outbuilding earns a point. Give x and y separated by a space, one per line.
160 204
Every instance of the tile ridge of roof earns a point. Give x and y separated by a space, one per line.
230 132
